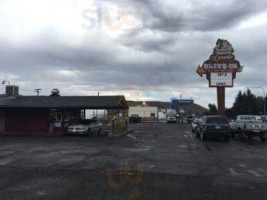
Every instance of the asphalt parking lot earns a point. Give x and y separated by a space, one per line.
154 161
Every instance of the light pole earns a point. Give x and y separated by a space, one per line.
4 82
264 96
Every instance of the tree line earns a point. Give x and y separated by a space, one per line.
245 103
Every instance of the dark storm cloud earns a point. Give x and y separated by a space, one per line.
163 52
145 43
201 16
96 66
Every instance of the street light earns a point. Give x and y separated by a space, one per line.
264 96
4 82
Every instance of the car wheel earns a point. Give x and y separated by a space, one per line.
240 134
202 135
226 138
232 134
250 137
99 131
263 139
89 133
197 134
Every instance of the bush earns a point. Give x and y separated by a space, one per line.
120 126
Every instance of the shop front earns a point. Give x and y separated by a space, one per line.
51 115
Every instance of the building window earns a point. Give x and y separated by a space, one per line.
152 115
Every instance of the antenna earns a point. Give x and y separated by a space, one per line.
38 91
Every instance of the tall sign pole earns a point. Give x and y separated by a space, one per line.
220 70
221 100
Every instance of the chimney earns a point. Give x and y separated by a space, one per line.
12 91
55 93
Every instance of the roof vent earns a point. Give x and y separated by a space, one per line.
12 91
55 92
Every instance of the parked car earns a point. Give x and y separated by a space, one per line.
194 125
85 127
134 118
190 119
213 126
240 121
171 118
248 126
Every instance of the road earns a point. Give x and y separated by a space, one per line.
154 161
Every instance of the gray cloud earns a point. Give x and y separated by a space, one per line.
161 56
200 16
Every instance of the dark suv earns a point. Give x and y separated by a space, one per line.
213 126
134 118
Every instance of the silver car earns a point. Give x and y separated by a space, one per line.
250 126
171 118
194 125
85 127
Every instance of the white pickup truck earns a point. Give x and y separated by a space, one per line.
250 126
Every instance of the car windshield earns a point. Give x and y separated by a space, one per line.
217 120
248 118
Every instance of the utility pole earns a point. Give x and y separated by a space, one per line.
97 110
38 91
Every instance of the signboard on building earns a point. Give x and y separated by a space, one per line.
176 102
185 101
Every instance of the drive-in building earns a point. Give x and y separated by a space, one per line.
50 114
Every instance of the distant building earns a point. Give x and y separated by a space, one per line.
143 111
186 105
170 111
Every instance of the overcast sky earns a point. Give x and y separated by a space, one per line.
143 49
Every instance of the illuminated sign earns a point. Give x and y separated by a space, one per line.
221 79
221 67
220 70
